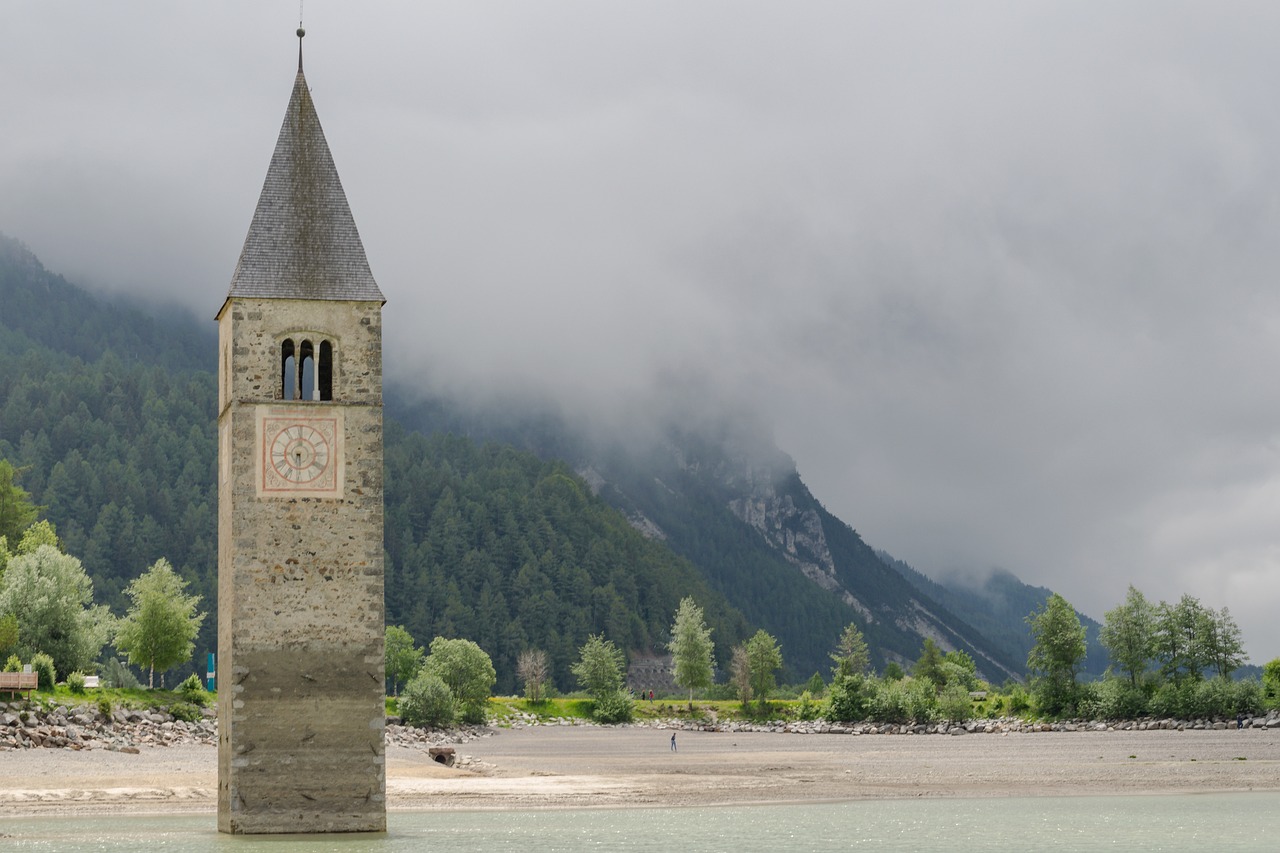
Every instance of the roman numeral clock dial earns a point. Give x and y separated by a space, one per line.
300 455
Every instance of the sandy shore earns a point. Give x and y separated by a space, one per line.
549 767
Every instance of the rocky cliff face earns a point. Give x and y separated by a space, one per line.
761 488
797 535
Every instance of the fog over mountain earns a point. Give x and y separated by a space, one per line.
1000 276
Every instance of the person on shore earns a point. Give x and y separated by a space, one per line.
673 742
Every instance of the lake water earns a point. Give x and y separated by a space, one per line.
1208 822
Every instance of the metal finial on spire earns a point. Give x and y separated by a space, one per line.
301 33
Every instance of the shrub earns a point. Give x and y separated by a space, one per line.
1247 696
922 701
186 712
615 707
192 690
75 682
43 664
426 701
848 698
888 702
1271 682
906 701
13 664
1213 697
104 706
1113 699
954 703
807 709
1018 701
1171 699
116 674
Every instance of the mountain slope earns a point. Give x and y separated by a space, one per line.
998 606
489 543
733 504
112 413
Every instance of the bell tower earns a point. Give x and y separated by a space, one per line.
300 574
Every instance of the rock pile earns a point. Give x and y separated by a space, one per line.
398 734
28 725
24 726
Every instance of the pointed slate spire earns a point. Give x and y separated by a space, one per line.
303 242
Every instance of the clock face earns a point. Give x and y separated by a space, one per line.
299 453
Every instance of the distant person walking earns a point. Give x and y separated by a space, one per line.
673 742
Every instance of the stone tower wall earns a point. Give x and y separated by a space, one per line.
300 583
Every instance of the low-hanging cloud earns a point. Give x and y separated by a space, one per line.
1000 275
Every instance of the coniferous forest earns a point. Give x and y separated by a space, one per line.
108 416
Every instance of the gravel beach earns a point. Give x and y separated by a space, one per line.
587 766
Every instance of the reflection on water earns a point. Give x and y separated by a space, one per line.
1218 822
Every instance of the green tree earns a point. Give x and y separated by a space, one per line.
40 533
1271 680
851 655
929 665
1224 644
848 698
403 658
160 628
816 686
1128 635
740 673
691 648
466 670
764 657
8 633
959 668
532 666
1182 642
1056 654
427 701
599 671
17 512
599 667
51 596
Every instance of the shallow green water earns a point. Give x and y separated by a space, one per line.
1210 822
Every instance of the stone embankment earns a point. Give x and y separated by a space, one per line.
25 726
1002 725
85 727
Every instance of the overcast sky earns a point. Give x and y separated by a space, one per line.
1003 276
